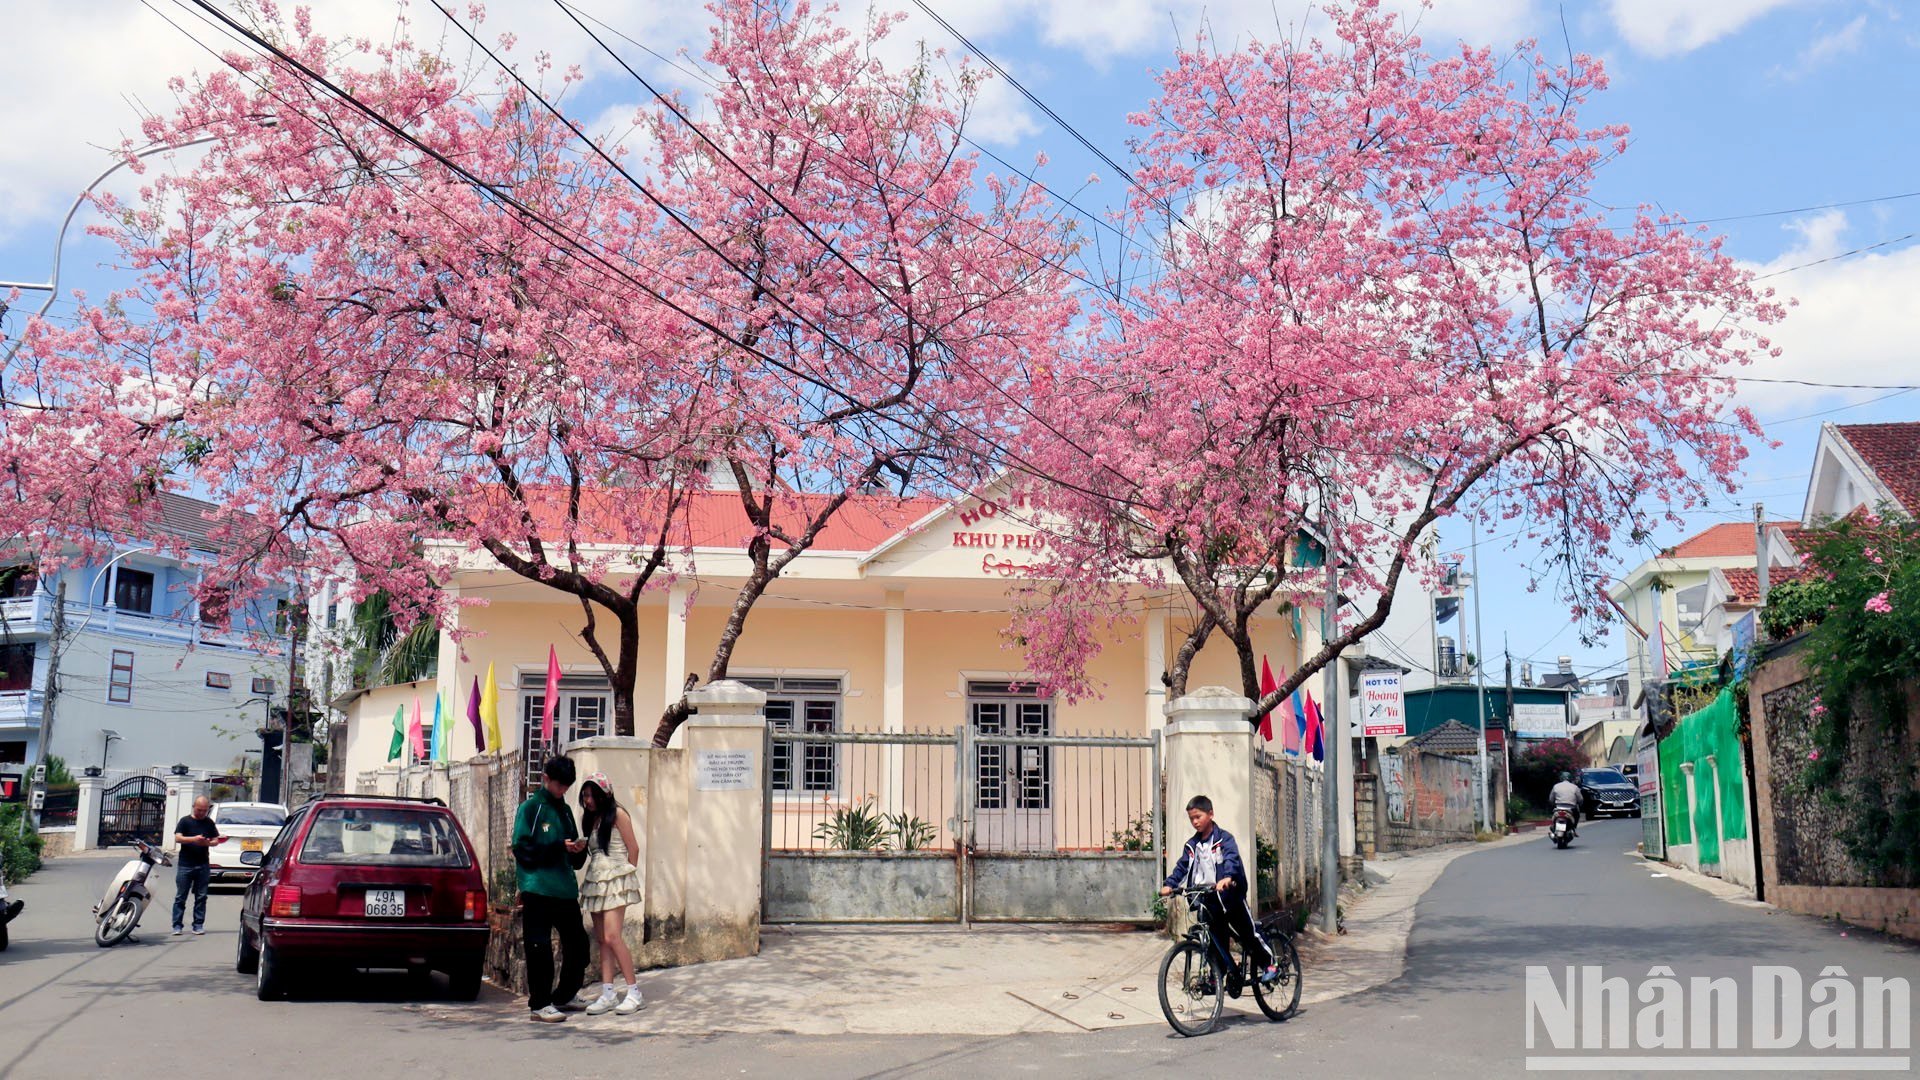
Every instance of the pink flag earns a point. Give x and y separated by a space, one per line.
1267 686
552 703
416 733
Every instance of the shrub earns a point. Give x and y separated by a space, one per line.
854 828
19 855
908 832
1538 768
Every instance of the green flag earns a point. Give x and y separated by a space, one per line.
399 733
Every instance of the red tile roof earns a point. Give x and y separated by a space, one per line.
1745 581
1723 541
1892 451
717 519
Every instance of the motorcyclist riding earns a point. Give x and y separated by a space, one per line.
1567 793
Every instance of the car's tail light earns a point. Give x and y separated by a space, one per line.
476 905
285 903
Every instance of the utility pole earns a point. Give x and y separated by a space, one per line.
286 729
52 696
1330 795
1480 674
1760 549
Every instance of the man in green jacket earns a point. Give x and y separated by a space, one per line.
547 848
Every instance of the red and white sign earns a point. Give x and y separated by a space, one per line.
1383 706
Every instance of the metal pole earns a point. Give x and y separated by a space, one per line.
1760 568
1480 674
294 611
1330 832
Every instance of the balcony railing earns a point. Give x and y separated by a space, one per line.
35 614
20 706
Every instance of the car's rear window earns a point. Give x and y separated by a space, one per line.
382 836
249 815
1605 776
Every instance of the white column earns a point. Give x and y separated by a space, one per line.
1156 664
1209 751
676 666
86 818
447 682
893 700
726 847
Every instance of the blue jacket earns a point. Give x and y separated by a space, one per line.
1218 845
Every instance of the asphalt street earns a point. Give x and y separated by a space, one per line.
68 1008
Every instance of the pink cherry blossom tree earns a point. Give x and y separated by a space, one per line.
402 316
1380 291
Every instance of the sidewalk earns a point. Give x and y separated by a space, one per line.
991 980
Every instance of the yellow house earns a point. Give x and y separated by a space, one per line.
893 622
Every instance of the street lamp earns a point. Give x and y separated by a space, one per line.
52 285
111 737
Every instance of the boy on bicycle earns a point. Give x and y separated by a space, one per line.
1211 858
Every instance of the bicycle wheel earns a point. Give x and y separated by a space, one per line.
1191 993
118 922
1282 999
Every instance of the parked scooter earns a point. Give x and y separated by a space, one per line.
1561 831
127 897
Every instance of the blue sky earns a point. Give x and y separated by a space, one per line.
1738 107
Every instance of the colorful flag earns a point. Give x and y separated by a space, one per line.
416 734
1293 724
1316 733
490 709
473 717
436 738
1267 686
399 732
443 723
552 702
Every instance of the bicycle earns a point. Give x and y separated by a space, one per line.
1193 989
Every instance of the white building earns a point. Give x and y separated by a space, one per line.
1863 465
149 679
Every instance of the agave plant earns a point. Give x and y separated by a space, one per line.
859 827
909 833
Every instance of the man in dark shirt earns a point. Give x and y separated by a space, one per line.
195 833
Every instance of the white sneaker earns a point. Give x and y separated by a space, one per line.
603 1003
631 1004
550 1015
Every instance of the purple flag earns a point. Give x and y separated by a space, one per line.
473 717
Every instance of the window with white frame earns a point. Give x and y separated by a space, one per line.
1011 777
809 705
585 709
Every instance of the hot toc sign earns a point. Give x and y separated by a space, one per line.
1383 707
979 533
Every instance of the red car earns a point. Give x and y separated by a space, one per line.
366 881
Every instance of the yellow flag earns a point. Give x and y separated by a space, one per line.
490 709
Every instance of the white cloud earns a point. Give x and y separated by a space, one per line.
1826 48
1854 321
1672 27
80 74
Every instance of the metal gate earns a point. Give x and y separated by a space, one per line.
991 822
132 810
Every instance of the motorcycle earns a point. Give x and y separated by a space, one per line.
1561 831
127 896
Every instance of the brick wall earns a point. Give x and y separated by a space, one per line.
1420 800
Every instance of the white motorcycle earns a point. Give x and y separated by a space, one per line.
127 897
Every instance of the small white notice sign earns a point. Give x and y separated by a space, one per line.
723 770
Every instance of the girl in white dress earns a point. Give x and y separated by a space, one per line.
612 885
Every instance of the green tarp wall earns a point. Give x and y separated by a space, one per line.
1719 789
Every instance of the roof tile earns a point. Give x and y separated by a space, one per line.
1892 451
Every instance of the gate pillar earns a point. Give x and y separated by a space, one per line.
86 812
726 741
181 791
1209 751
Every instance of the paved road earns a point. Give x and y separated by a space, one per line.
70 1009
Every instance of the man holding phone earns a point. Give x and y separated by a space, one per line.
195 834
548 848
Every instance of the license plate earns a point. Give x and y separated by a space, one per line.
386 903
252 845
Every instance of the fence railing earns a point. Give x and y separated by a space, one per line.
1287 830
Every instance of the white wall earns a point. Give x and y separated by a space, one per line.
173 716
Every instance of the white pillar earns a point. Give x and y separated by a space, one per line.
676 665
893 699
86 818
1209 751
1156 664
725 739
